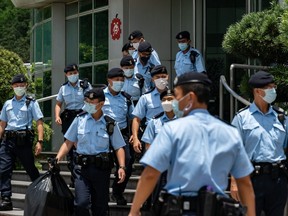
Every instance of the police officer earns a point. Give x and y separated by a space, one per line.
131 82
188 58
197 150
118 106
155 124
149 104
143 66
71 94
264 133
136 38
89 131
17 133
128 49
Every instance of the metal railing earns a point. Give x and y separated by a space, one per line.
230 88
47 98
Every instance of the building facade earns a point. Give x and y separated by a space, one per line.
91 33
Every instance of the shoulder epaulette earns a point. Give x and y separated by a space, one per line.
82 113
244 108
150 91
279 110
126 95
158 115
28 100
65 83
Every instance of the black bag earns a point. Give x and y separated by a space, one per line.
49 195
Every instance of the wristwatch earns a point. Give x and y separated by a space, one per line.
40 141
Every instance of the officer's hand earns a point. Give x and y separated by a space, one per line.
134 213
137 145
234 192
58 121
38 148
121 175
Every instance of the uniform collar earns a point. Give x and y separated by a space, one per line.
77 84
22 99
107 91
198 111
102 119
166 119
253 108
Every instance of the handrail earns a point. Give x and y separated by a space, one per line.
47 98
223 82
243 66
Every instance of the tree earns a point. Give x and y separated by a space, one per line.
14 29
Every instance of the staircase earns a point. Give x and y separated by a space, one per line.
21 181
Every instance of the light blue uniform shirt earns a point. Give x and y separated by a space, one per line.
198 150
263 135
116 107
148 106
153 128
131 87
72 96
18 116
154 59
183 63
91 135
145 72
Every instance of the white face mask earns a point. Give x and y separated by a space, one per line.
128 72
73 78
161 83
19 91
90 108
270 95
135 45
167 106
117 85
131 52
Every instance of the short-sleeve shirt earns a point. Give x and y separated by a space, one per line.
18 115
72 96
183 62
149 105
198 150
263 135
91 135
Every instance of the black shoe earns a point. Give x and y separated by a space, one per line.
119 199
6 204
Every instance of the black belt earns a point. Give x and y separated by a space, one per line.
188 203
266 167
76 111
10 133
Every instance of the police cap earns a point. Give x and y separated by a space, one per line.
95 93
182 35
70 67
192 77
115 72
168 92
127 46
159 69
135 34
145 47
127 61
19 78
260 79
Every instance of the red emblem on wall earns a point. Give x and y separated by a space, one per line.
116 28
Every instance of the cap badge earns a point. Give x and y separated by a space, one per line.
91 95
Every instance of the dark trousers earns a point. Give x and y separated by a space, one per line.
118 189
8 153
271 194
92 191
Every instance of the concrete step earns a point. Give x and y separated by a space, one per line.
20 175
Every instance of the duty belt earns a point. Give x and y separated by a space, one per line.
73 112
12 134
262 168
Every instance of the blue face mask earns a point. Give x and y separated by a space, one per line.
183 46
175 106
270 95
117 85
73 78
90 108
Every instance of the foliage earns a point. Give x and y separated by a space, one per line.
14 29
11 64
258 36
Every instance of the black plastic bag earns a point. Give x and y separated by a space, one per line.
49 195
